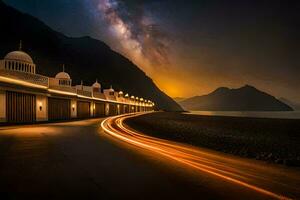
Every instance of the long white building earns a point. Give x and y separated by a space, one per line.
27 97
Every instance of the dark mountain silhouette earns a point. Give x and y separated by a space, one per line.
294 105
85 58
246 98
178 99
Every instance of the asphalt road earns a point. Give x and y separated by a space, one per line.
78 160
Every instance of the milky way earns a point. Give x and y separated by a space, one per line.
140 37
190 47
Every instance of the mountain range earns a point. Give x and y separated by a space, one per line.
85 58
246 98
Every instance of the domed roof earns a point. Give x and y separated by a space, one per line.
96 85
19 56
62 75
121 93
111 89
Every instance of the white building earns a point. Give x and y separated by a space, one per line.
27 97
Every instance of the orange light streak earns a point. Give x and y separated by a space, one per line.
189 156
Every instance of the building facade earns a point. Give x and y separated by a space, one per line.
27 97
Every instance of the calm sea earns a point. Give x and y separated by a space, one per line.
280 115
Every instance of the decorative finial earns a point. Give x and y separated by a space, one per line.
20 45
96 80
110 86
81 82
63 67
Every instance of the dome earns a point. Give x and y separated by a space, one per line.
19 56
111 89
121 93
96 85
62 75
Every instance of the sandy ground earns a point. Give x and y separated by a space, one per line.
76 160
272 140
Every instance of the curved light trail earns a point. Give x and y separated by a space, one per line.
229 169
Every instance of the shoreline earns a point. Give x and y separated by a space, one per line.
251 114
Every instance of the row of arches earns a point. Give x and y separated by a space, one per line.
17 66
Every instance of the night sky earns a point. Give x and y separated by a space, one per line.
190 47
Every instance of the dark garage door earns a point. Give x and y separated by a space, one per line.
112 109
83 109
20 107
99 109
59 109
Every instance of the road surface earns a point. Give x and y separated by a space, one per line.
80 160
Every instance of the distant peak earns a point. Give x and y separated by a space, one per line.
221 89
248 86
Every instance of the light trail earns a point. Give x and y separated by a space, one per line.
228 169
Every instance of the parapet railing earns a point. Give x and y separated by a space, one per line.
84 93
99 95
28 77
64 89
